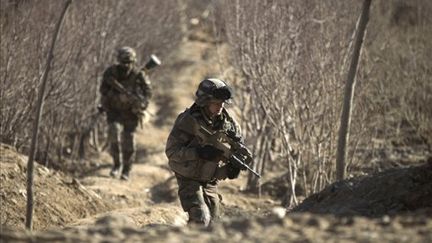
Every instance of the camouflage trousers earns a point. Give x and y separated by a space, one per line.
121 129
199 199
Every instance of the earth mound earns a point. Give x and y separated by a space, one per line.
389 192
58 198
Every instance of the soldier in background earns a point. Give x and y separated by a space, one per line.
125 91
198 167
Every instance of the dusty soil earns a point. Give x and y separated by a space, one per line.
393 206
59 199
390 192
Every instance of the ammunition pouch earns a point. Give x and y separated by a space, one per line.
123 98
200 170
113 100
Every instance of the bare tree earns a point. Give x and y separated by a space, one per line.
349 92
39 106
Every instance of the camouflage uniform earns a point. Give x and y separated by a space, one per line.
197 178
123 113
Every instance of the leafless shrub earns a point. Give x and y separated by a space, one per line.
286 53
293 58
398 61
92 31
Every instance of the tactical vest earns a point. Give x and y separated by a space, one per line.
197 169
116 100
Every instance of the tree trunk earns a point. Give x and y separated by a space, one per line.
349 92
39 107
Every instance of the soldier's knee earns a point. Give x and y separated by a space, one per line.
128 144
128 157
128 148
113 133
128 141
127 151
114 148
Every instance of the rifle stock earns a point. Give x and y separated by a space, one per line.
234 152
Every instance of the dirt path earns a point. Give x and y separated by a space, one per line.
150 196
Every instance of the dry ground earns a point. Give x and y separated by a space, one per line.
97 208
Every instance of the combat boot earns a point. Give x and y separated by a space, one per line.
115 154
115 170
127 164
125 173
116 167
124 176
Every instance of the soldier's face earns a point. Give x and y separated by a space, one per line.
126 65
215 107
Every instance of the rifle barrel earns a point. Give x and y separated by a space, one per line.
246 166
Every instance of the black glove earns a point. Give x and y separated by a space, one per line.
100 108
232 171
208 152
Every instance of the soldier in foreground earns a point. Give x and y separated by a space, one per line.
125 91
204 147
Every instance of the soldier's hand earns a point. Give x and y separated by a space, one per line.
100 108
208 152
221 173
232 171
227 171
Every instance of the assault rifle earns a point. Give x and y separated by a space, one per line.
234 152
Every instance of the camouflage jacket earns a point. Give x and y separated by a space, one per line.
183 142
136 82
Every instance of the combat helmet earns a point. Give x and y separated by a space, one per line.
212 89
126 55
